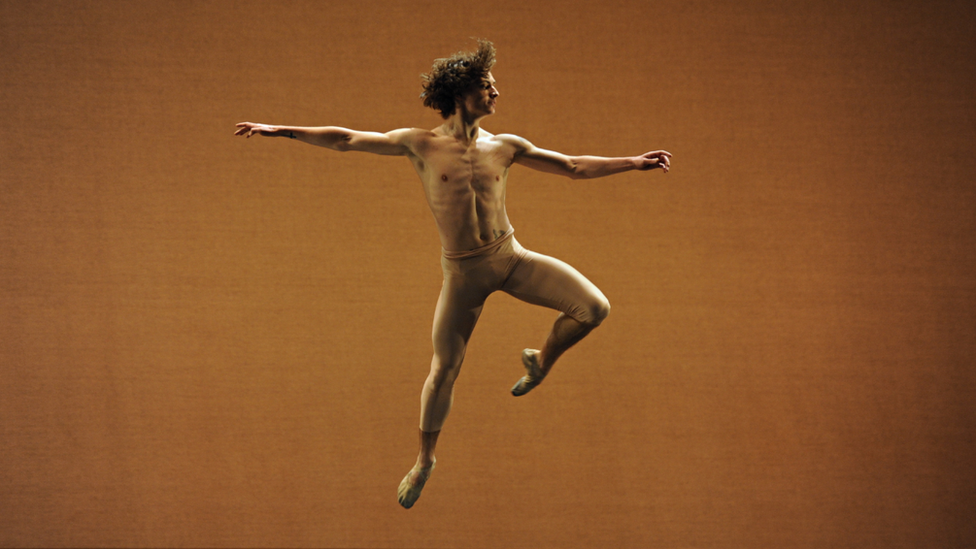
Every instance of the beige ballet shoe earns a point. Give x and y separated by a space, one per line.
408 494
534 375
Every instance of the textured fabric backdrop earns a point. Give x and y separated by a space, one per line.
207 341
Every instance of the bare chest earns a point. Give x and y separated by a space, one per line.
481 168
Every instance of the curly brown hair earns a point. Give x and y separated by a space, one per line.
450 77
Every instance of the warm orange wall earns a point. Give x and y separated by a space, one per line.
206 341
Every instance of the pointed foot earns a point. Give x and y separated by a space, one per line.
410 487
533 376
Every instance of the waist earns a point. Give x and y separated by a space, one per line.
481 250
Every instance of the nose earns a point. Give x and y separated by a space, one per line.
493 92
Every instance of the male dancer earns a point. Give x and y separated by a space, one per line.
464 170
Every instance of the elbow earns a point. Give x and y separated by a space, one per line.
344 143
575 170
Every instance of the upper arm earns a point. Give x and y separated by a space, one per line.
541 159
395 143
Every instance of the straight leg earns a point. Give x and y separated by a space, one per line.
457 312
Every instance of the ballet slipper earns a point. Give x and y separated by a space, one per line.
408 494
534 375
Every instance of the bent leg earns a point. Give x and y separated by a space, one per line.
546 281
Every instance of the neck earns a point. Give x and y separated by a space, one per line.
462 126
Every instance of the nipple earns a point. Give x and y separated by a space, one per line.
443 177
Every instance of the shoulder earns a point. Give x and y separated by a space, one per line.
511 140
410 134
517 145
413 140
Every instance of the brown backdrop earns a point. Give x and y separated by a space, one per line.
207 341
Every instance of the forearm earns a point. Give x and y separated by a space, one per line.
582 167
331 137
588 167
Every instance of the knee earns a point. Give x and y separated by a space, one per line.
597 312
445 369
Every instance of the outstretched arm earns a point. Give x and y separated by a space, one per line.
332 137
584 167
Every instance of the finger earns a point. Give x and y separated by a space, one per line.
657 155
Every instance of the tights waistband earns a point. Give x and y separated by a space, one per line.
482 250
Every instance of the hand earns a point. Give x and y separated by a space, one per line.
654 159
247 129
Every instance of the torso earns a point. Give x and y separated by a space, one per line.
464 185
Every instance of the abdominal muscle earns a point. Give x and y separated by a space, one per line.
466 220
466 194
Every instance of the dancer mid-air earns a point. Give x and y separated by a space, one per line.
464 170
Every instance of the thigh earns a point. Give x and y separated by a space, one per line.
547 281
455 316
